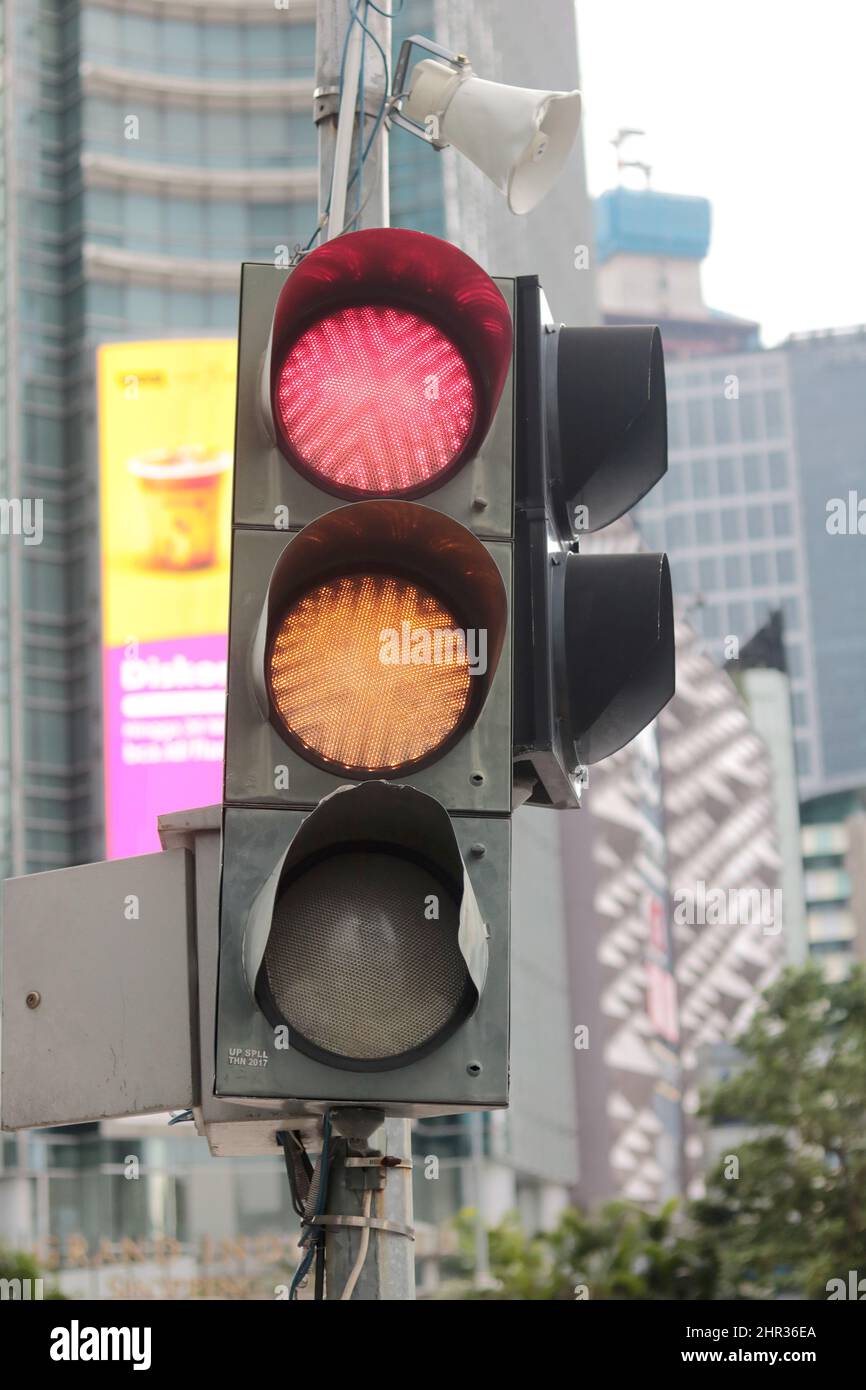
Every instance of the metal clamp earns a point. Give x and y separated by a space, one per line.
326 103
376 1223
377 1161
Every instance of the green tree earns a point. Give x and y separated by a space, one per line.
619 1252
16 1264
794 1217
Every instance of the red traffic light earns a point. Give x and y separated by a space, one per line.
388 356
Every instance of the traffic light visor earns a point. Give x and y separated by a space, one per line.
367 942
618 646
609 424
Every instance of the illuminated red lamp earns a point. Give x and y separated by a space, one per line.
389 352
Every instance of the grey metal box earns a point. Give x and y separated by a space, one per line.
106 949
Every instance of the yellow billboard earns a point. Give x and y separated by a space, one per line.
166 434
166 431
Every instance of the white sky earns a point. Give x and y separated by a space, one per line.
760 106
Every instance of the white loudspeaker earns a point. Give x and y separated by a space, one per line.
520 138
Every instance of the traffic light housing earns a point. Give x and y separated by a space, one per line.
417 645
368 789
591 440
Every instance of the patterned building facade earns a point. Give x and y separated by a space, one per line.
678 924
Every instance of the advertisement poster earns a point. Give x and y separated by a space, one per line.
166 437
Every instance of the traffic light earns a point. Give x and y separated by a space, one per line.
590 441
367 796
416 646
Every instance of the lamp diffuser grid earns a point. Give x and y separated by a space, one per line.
345 676
356 965
375 400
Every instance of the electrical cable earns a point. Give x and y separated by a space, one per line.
284 1138
319 1291
363 1247
318 1186
377 125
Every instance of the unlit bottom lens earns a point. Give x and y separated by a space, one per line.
362 961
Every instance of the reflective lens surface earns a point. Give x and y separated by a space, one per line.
375 400
369 672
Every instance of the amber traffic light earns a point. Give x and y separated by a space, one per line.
354 674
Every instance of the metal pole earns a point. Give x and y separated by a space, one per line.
482 1253
332 22
388 1270
389 1267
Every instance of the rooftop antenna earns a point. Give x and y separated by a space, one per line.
624 134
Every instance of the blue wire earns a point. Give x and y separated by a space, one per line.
383 105
310 1254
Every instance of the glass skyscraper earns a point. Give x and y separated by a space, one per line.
766 450
147 150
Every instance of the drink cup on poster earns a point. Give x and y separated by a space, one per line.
180 490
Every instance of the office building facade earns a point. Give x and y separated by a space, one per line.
678 924
763 511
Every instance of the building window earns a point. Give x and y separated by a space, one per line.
753 473
708 573
697 417
798 709
760 612
777 463
738 614
731 519
723 414
794 658
702 476
756 523
729 483
791 614
678 531
773 413
683 575
705 527
676 425
733 572
711 620
785 566
759 567
782 522
675 483
748 416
